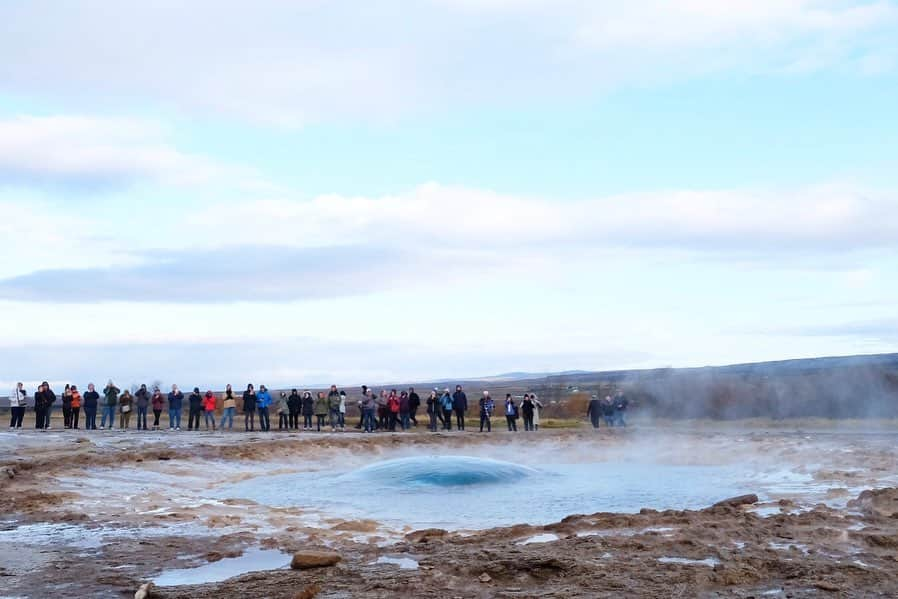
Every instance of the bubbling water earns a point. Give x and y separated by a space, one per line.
442 471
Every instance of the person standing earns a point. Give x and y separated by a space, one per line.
392 410
342 410
283 412
414 402
433 411
209 409
527 408
110 402
76 407
308 410
42 400
194 409
18 402
511 413
446 404
322 407
486 412
537 406
460 405
383 409
229 406
126 404
91 401
404 411
263 402
361 410
608 411
67 407
158 402
368 407
620 408
249 408
175 407
142 402
294 407
48 412
594 411
333 407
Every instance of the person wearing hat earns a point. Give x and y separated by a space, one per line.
446 405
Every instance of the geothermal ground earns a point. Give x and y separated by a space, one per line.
557 513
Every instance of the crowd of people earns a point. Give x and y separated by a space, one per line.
386 410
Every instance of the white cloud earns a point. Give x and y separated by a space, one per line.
94 151
291 63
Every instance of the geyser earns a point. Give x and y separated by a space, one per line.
443 471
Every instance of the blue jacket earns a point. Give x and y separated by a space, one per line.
263 399
175 400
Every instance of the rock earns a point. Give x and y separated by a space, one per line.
878 503
144 591
827 586
304 560
9 472
484 578
426 535
737 501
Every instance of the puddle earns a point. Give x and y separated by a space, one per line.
543 538
404 563
252 560
708 561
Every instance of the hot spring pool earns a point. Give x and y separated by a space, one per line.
461 492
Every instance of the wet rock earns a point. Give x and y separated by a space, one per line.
426 535
737 501
144 591
9 472
485 578
304 560
877 503
827 586
357 526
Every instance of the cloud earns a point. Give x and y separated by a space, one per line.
289 64
244 274
82 151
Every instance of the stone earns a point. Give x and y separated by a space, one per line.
737 501
143 592
484 578
304 560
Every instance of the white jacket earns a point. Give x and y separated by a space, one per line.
17 398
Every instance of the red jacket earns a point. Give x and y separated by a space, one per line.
209 402
393 404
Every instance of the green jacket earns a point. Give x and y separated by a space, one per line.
333 402
111 395
321 405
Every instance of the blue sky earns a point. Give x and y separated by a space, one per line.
307 192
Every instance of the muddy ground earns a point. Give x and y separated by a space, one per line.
97 514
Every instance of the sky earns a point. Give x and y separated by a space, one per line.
298 192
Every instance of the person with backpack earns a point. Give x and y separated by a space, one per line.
308 410
283 412
209 405
460 405
294 406
75 407
511 413
142 399
91 401
18 402
446 403
263 404
110 402
125 405
175 407
228 407
322 407
249 408
486 412
157 402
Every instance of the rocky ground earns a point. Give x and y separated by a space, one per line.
99 514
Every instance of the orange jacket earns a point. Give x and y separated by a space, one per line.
76 399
